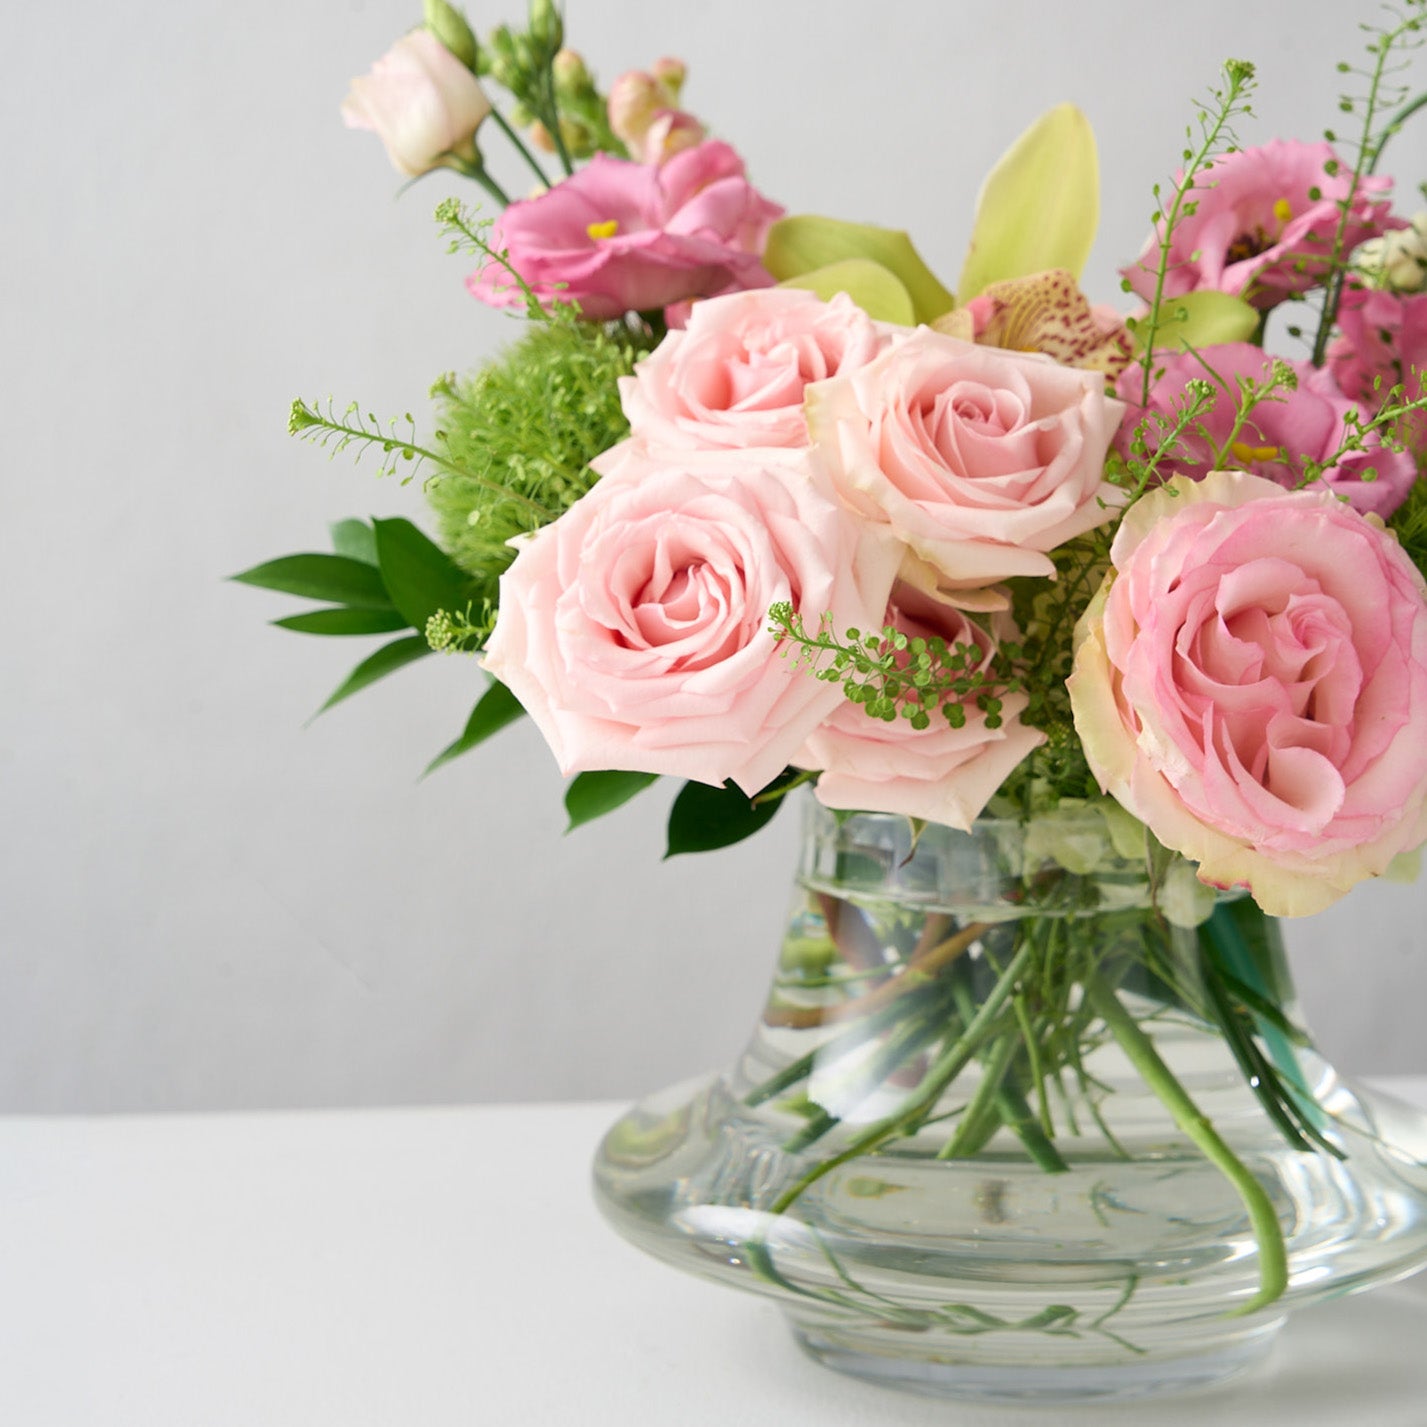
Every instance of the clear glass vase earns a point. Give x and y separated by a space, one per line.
1025 1118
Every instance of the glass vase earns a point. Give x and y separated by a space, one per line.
1028 1116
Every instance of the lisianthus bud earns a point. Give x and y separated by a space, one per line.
571 74
547 28
449 26
421 102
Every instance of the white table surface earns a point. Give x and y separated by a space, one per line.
447 1268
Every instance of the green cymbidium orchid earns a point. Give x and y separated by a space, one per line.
1039 206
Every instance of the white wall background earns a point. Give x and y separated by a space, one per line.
202 903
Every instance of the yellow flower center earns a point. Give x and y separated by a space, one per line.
1282 210
1248 454
607 229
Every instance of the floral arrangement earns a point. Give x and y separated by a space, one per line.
758 502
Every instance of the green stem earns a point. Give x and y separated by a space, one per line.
1016 1116
1333 292
520 147
952 1061
978 1120
1392 127
1268 1233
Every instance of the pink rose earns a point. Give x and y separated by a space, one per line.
1263 224
623 237
735 375
979 459
1308 423
420 101
940 773
634 629
1251 683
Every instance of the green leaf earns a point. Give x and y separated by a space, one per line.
705 818
321 577
496 708
419 575
387 660
592 795
804 243
343 620
1202 319
872 287
356 540
1039 206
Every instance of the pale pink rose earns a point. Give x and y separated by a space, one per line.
420 101
634 629
1307 423
980 459
1263 224
1251 682
940 773
623 237
735 375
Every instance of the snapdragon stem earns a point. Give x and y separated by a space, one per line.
1139 1048
520 147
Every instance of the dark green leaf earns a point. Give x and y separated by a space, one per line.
343 620
321 577
387 659
592 795
496 708
356 540
704 818
419 575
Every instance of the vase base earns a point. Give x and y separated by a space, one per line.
896 1364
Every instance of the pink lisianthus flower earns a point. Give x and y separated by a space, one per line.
1251 682
736 374
941 773
1280 436
1382 345
1263 224
979 459
623 237
634 629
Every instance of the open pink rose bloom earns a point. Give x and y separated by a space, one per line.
635 628
1251 682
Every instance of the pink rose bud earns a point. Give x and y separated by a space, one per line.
421 102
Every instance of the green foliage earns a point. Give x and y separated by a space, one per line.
1409 524
704 818
592 795
321 577
387 660
1215 136
523 431
494 710
891 675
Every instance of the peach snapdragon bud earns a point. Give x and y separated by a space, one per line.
645 117
421 102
